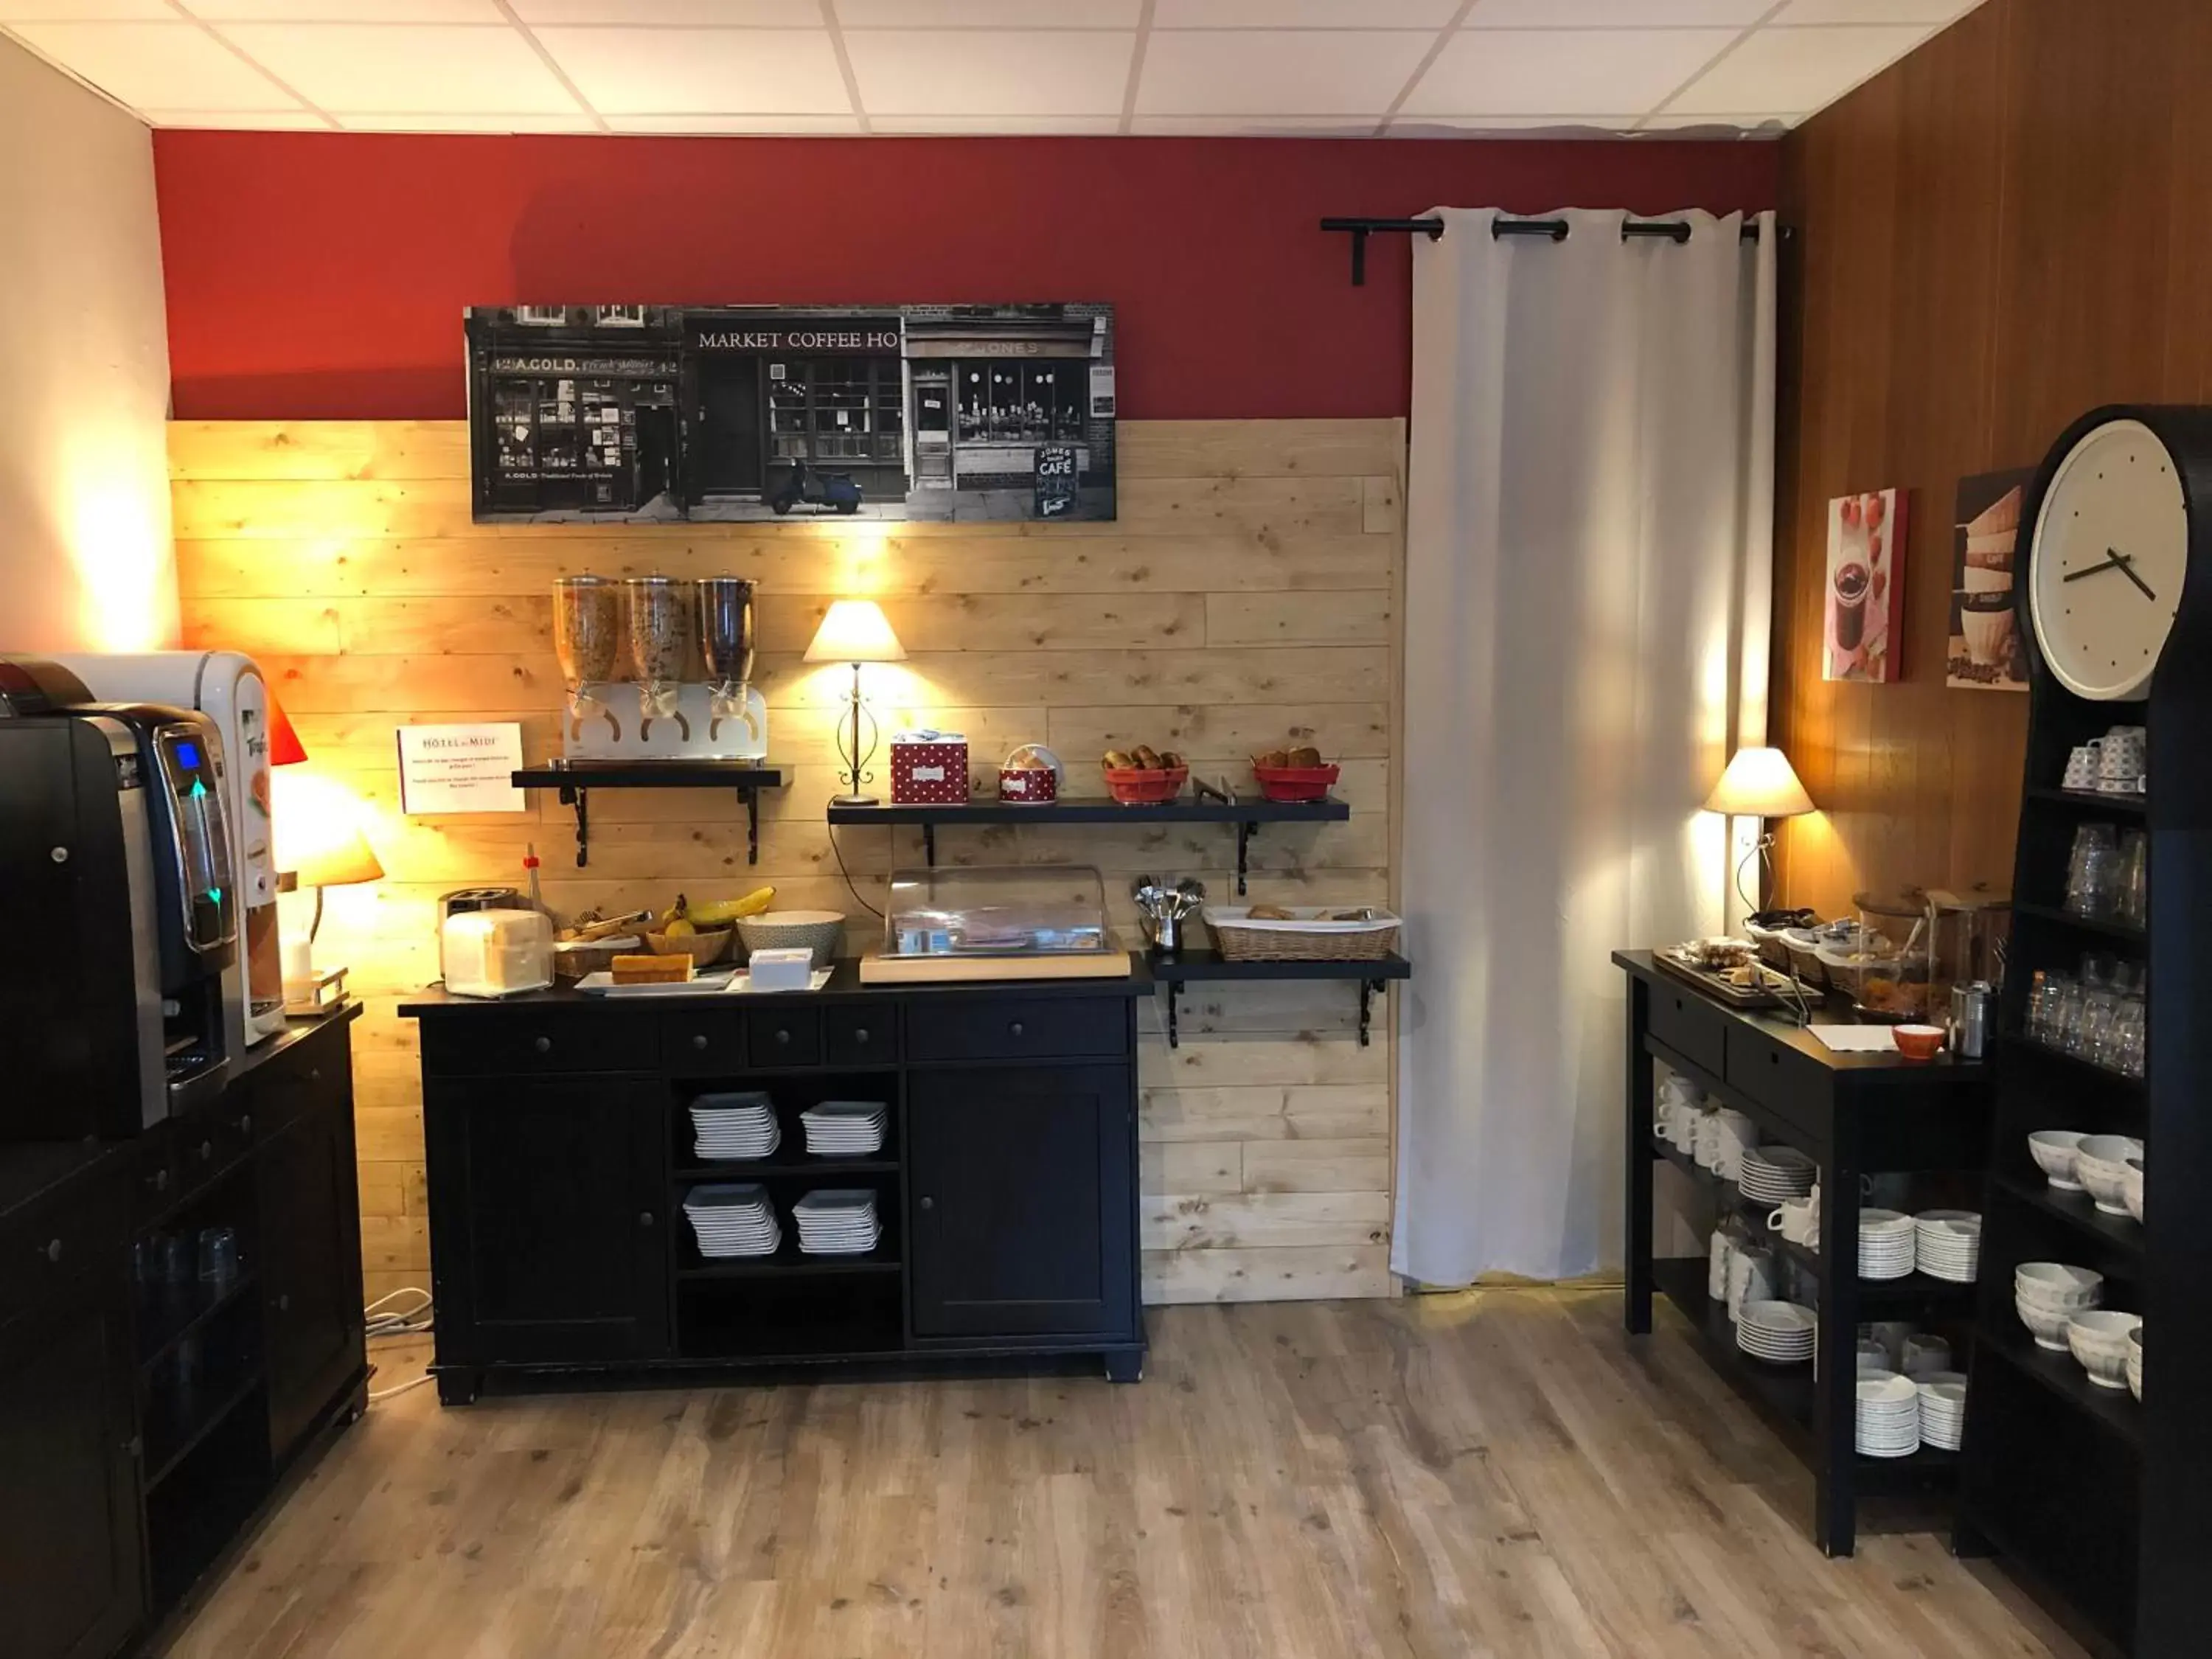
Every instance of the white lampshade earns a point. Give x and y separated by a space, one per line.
1759 783
855 630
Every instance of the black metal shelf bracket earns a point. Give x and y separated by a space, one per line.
1360 229
1368 988
929 844
571 796
1174 997
1246 829
752 799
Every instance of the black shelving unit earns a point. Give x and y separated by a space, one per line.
2095 1501
1173 970
576 780
1247 814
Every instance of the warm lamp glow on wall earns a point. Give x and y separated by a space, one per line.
1759 783
855 631
315 831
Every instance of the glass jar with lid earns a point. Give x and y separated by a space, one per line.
1887 970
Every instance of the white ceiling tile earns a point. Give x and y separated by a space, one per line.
766 126
1794 69
421 121
907 72
1255 126
991 14
726 14
743 71
256 120
345 11
1312 72
404 67
990 125
1800 12
1615 14
1303 14
145 64
83 11
1537 72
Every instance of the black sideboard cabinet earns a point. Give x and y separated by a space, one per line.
143 1427
560 1150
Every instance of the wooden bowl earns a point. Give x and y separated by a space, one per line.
705 947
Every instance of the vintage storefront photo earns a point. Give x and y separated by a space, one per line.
650 414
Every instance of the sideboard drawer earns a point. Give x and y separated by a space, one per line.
1689 1025
1020 1028
82 1225
704 1042
1775 1076
861 1035
784 1036
532 1039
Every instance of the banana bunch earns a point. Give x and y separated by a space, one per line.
720 913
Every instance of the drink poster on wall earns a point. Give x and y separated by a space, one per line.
1865 591
1986 652
645 414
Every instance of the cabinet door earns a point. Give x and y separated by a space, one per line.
1021 1201
311 1280
70 1541
548 1229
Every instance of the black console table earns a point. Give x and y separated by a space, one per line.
560 1148
1855 1115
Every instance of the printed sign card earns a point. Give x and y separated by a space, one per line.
460 768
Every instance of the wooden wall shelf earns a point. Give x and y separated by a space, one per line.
574 780
1174 969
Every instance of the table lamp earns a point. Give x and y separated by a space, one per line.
1759 783
318 843
855 631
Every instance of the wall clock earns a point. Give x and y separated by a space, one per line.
2108 556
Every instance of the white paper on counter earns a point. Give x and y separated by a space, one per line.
1856 1039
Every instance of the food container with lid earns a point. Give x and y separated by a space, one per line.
1889 970
1030 776
497 953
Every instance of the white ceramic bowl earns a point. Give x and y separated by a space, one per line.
2134 1361
2099 1339
2055 1285
2053 1151
2131 1187
2048 1325
2100 1164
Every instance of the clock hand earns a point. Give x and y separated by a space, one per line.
2128 568
2112 561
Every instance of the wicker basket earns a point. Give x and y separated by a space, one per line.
819 930
1307 936
705 947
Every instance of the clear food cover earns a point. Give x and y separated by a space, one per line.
497 953
996 911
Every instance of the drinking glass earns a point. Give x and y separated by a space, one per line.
2131 879
2092 870
218 1255
2043 995
2131 1035
2092 1038
176 1258
2099 972
2066 1019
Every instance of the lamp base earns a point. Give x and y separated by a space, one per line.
853 800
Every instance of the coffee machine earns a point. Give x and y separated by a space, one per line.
115 857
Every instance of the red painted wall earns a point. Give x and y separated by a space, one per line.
316 276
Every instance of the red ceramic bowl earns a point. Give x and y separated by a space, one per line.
1918 1042
1142 787
1288 783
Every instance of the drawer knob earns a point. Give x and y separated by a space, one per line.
860 1034
207 1151
161 1181
543 1045
53 1250
698 1039
928 1203
1014 1030
284 1303
246 1123
314 1074
782 1033
645 1218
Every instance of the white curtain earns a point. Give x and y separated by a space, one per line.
1587 586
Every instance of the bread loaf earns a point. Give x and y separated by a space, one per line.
650 970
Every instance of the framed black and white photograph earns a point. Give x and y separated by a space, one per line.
670 413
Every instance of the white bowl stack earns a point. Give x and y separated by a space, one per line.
1770 1174
1887 1244
1944 1409
733 1221
2100 1164
837 1221
2135 1360
2048 1294
736 1127
844 1128
1780 1333
2131 1187
2054 1151
1946 1244
2099 1339
1888 1414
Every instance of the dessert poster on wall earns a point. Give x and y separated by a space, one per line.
1986 653
1865 592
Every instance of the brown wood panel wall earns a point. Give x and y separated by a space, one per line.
1247 593
2005 229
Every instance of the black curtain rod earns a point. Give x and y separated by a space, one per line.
1674 230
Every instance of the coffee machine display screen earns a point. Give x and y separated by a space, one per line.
188 757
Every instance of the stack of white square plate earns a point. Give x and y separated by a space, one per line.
733 1221
1888 1414
1949 1244
1780 1333
1887 1244
741 1126
1770 1174
1944 1409
844 1128
837 1221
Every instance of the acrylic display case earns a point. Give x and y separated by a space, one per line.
995 923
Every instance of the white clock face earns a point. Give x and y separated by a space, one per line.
2110 553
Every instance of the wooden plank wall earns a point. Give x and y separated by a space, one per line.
1994 235
1246 595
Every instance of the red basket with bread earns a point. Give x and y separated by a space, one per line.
1293 775
1145 777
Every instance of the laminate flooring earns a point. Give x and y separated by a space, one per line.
1499 1472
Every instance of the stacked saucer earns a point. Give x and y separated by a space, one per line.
1771 1174
1888 1414
733 1221
1887 1244
837 1221
1944 1409
1780 1333
844 1128
1947 1245
739 1126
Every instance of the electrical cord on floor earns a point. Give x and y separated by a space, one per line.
383 1325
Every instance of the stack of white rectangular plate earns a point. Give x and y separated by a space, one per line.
739 1126
1886 1239
1771 1174
1780 1333
1949 1244
1944 1409
844 1128
1888 1414
837 1221
733 1221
